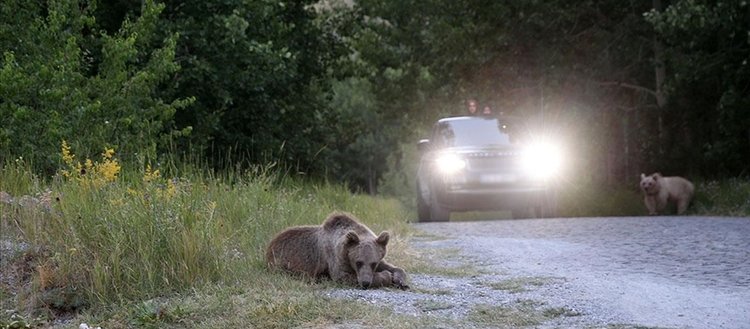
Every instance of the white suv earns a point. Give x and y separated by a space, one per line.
483 164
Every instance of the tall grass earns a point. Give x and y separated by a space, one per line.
16 178
588 199
143 235
729 197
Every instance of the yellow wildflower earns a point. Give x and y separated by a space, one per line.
90 171
171 189
66 155
89 166
108 153
117 203
108 169
151 175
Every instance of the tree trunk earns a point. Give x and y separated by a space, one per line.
661 72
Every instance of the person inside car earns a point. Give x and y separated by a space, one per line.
472 107
487 110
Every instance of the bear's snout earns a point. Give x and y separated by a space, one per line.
648 185
365 284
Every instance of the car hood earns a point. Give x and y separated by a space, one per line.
489 151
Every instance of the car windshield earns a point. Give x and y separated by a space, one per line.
475 131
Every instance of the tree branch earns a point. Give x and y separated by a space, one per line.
628 86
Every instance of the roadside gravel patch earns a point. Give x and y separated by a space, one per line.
467 301
621 272
8 251
666 272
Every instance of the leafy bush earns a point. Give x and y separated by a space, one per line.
61 79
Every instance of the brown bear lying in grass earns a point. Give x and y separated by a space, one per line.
341 248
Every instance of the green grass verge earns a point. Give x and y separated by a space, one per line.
521 284
730 197
523 314
144 250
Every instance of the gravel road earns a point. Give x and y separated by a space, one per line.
664 272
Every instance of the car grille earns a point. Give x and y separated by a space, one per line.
493 161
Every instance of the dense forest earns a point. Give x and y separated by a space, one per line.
342 90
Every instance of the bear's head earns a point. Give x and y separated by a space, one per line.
650 184
364 254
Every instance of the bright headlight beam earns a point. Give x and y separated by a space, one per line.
450 163
542 160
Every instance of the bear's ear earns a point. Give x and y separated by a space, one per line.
352 238
383 239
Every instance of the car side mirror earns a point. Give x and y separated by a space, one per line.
423 145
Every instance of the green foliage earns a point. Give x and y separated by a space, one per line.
587 198
547 60
708 50
151 314
585 69
18 177
725 197
53 86
334 90
399 181
17 321
256 70
515 316
361 139
498 52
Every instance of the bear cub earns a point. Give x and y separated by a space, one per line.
341 248
658 191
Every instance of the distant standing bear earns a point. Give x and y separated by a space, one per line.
341 248
659 190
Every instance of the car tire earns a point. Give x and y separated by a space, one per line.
548 207
522 212
438 213
423 209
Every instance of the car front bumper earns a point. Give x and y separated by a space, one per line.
491 198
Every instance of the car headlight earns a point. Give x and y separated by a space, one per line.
449 163
542 160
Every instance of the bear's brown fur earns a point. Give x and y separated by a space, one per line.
659 190
341 248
